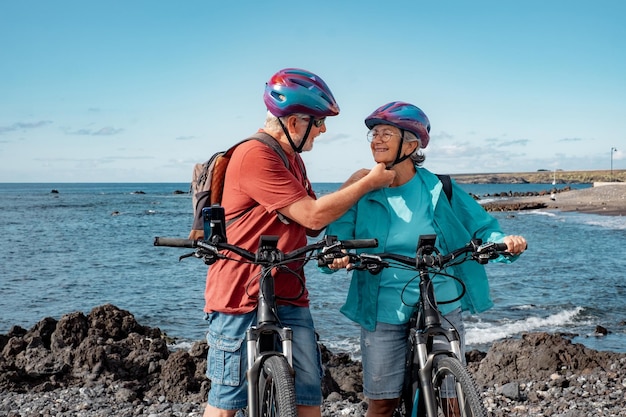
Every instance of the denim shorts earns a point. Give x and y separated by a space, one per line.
227 357
383 356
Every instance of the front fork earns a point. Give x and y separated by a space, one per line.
263 341
260 344
425 363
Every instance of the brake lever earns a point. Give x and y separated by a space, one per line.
207 258
187 255
326 258
374 267
485 252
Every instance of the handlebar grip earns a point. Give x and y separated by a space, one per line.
360 243
175 242
500 247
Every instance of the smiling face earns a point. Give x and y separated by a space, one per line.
385 140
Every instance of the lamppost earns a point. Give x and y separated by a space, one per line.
612 150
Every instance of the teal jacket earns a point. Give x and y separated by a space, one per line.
456 222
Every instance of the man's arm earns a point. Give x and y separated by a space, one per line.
317 214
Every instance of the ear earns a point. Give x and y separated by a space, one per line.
292 121
412 146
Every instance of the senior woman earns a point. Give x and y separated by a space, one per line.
413 205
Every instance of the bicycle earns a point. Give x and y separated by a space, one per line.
436 381
270 374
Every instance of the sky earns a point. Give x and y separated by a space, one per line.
139 91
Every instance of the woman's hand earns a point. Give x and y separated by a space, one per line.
515 244
339 263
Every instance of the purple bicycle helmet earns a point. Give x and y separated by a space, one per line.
404 116
293 90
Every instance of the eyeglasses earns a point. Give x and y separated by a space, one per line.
385 135
317 122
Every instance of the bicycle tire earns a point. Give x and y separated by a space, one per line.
466 395
277 392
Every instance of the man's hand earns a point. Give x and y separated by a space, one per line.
361 173
196 234
380 176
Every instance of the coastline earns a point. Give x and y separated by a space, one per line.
607 200
543 177
106 363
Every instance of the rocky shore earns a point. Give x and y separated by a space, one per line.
606 200
104 363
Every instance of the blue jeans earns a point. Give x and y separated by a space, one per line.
227 357
383 352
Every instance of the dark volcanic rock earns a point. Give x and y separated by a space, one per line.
513 206
538 356
106 345
111 359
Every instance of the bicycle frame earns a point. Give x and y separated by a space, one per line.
261 339
265 363
429 367
425 328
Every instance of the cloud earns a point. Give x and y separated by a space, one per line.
96 161
522 142
105 131
570 140
23 125
185 137
441 136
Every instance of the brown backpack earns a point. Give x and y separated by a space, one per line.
207 183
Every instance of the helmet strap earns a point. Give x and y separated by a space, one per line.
297 149
398 157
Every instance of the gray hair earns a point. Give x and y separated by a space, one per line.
417 156
272 123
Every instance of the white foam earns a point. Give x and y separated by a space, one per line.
484 333
180 345
541 213
608 222
524 307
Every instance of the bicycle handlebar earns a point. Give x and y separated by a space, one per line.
429 257
329 248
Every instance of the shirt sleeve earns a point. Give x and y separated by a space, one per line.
265 178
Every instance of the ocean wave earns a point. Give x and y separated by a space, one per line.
607 222
482 333
541 213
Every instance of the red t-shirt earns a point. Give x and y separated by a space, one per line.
257 174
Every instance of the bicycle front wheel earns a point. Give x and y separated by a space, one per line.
455 391
277 392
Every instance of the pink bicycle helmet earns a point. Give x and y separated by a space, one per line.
293 90
404 116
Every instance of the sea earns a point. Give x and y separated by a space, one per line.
71 247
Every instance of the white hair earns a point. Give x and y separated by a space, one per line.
417 156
